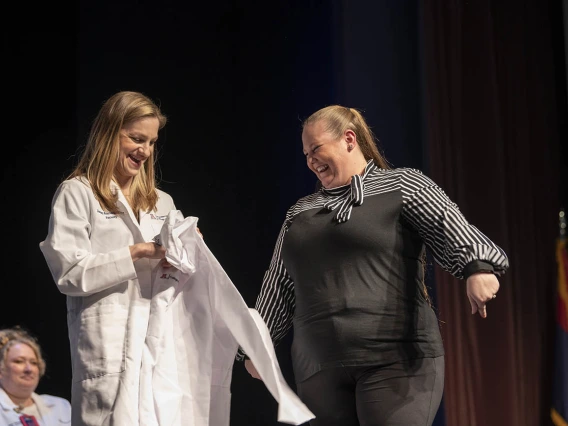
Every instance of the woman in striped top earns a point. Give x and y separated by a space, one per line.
348 274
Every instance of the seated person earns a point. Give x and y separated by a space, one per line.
21 368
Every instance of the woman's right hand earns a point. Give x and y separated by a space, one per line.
150 251
147 250
252 369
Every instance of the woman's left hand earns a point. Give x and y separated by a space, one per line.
165 263
482 287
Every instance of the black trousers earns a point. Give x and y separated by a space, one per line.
402 394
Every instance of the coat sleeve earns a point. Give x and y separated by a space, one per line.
76 270
456 245
276 302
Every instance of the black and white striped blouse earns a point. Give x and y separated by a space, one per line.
455 244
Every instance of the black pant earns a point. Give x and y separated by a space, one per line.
402 394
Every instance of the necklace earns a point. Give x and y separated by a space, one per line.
20 407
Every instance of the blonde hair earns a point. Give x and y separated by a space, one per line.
12 336
338 119
101 153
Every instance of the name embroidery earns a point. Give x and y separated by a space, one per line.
109 215
169 277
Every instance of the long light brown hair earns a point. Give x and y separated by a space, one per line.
102 151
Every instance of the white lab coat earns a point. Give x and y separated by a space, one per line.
108 298
121 373
54 410
198 320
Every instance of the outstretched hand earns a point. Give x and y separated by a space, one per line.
482 287
252 369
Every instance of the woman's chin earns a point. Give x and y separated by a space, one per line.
326 182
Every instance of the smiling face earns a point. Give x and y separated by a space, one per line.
137 140
20 371
333 160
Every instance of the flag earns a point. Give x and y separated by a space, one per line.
559 409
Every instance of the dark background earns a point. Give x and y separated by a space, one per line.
235 80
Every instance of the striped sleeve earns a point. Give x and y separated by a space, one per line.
276 302
453 242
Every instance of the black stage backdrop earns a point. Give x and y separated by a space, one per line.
235 79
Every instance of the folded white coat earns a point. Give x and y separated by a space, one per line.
198 319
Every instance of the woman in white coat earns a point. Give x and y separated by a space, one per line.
100 252
21 368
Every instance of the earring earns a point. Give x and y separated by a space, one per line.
350 146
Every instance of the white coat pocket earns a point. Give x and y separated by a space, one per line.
100 333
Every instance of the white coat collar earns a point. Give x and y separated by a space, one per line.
8 405
5 402
43 405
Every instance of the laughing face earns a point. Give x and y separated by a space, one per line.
328 157
19 374
137 140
